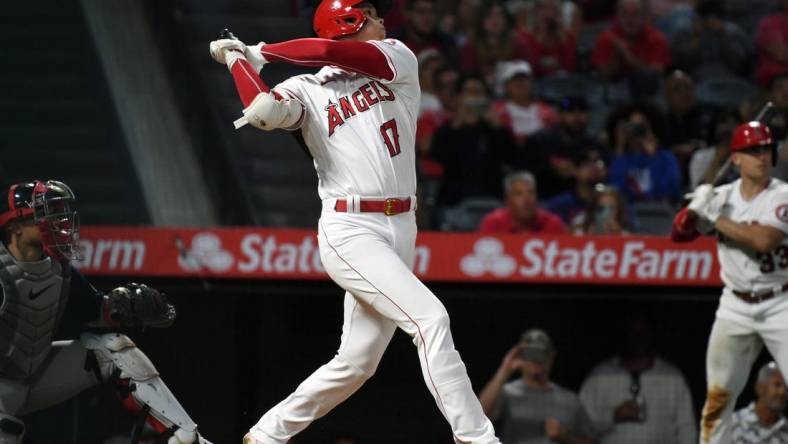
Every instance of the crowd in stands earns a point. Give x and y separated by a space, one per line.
634 396
583 116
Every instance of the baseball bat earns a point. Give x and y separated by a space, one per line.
226 34
764 116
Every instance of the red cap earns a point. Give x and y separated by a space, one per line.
337 18
749 135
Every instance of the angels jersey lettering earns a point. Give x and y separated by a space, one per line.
361 130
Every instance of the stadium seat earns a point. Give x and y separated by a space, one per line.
557 86
654 218
725 91
679 17
467 215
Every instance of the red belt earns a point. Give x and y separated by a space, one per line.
754 298
389 207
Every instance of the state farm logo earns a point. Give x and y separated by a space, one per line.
488 256
111 254
205 252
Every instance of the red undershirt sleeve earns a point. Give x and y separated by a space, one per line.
361 57
247 81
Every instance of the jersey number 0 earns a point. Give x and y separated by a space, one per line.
390 137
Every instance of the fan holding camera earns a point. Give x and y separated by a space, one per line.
533 409
473 147
640 168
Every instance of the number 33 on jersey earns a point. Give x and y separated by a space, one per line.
748 270
355 120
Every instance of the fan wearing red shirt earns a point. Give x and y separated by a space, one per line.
551 48
631 44
521 213
771 42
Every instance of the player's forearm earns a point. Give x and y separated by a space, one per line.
247 81
488 398
361 57
759 238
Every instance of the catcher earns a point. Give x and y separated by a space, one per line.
37 285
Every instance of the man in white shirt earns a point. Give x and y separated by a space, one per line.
636 396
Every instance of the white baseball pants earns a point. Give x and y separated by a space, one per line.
739 333
370 255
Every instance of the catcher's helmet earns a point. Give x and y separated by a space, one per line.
752 135
50 204
338 18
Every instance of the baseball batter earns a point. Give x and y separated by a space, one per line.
357 116
750 217
40 231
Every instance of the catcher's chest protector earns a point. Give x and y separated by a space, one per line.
35 296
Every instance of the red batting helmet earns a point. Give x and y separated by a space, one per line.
337 18
752 135
50 205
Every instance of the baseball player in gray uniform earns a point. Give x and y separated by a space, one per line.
37 285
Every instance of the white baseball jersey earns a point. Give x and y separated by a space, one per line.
743 269
361 131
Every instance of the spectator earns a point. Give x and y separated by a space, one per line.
460 23
763 421
710 45
420 30
551 48
607 213
520 10
686 121
494 40
636 396
640 168
444 84
549 153
632 48
395 18
589 170
706 161
771 44
472 147
518 111
533 409
431 107
429 61
659 8
778 95
522 213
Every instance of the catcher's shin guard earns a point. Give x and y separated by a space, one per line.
139 386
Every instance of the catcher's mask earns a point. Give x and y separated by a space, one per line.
50 204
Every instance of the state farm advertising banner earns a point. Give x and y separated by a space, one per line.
251 253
